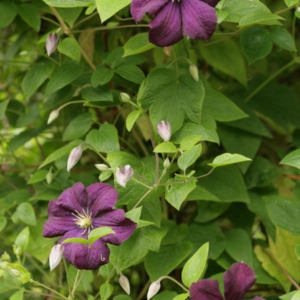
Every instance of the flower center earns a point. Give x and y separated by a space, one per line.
83 220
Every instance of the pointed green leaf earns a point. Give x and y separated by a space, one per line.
188 157
108 8
8 12
30 14
98 233
76 240
101 76
165 147
228 159
137 44
69 3
292 159
69 47
181 296
131 119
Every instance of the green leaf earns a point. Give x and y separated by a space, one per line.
24 275
30 14
181 296
297 251
194 267
36 76
37 177
106 289
131 73
98 233
131 119
292 159
284 213
69 3
226 57
288 296
3 105
296 296
22 239
70 48
69 15
177 193
260 18
17 295
256 43
188 157
228 159
25 213
3 222
64 75
290 3
283 38
105 175
78 127
101 76
99 94
81 241
105 139
189 142
107 8
14 198
138 43
8 12
171 256
134 214
60 152
165 147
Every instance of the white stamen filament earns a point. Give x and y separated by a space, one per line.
83 220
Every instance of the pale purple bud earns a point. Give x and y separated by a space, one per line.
51 43
102 167
53 115
124 283
125 97
153 289
164 130
74 157
123 175
194 72
56 255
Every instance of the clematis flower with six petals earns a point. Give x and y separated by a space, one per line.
237 281
172 18
76 212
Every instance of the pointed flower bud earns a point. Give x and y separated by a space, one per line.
74 157
167 163
49 176
164 130
125 97
123 175
56 255
53 115
102 167
194 72
124 283
153 289
51 43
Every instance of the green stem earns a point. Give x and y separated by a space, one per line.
85 19
49 289
67 275
136 205
174 280
260 87
71 102
78 282
75 284
145 185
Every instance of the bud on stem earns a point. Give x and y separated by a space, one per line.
56 255
74 157
164 130
123 175
124 283
153 289
51 43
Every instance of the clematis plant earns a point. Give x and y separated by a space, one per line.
76 212
172 18
237 281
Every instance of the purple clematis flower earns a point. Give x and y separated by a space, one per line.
237 281
76 212
172 18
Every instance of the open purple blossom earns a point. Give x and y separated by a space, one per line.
76 212
172 18
237 281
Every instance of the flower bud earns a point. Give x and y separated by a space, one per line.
53 115
194 72
14 272
153 289
56 255
74 157
123 175
102 167
164 130
51 43
124 283
125 97
167 163
49 176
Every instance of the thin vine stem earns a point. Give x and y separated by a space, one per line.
49 289
174 280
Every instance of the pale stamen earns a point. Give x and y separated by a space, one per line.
83 220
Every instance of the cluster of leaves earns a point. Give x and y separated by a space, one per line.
246 101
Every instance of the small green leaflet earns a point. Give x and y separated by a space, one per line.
292 159
137 44
165 147
228 159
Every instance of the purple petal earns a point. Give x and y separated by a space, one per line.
72 199
205 289
199 19
139 8
116 220
166 26
60 220
212 3
101 198
237 281
85 257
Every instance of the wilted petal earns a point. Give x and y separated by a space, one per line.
199 19
237 281
166 26
206 289
84 257
101 198
139 8
122 226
